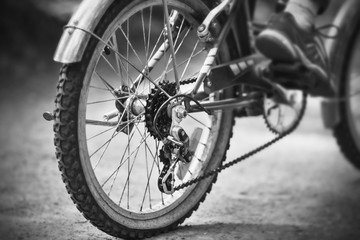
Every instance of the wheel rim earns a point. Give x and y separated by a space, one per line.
106 163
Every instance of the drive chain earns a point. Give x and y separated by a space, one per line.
229 164
235 161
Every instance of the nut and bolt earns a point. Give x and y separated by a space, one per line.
181 112
201 28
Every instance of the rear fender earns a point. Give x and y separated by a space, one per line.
74 40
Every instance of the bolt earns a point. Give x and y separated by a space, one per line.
201 28
181 114
125 88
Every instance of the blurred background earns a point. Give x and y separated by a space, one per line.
33 200
30 30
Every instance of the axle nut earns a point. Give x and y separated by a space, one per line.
181 112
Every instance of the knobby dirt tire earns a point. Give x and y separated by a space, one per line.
66 128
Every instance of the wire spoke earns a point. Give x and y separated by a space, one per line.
182 40
101 133
157 80
188 62
106 144
149 34
195 119
107 85
123 155
122 162
112 90
148 177
106 101
130 45
116 132
99 88
144 33
117 170
146 145
119 62
147 188
130 170
111 65
170 38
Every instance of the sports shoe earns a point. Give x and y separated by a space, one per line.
283 41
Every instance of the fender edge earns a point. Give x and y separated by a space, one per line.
73 41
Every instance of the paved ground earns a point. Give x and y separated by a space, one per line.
302 188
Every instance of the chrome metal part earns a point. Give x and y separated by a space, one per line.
101 123
73 41
227 104
111 115
173 20
137 106
178 112
204 32
211 57
181 112
171 43
168 181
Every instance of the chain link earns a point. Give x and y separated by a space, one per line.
229 164
239 159
188 81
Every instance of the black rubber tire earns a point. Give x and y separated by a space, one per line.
344 133
67 146
341 60
346 142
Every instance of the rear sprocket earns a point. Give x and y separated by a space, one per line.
155 99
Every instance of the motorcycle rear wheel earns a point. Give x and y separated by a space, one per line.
119 195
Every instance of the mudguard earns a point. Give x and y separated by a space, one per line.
73 40
347 20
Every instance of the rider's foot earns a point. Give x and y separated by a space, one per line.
284 41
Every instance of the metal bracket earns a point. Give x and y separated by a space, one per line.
242 71
204 32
